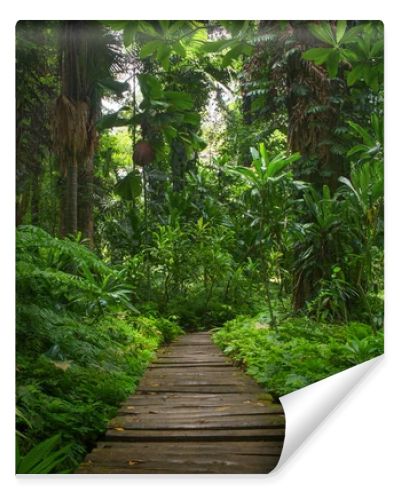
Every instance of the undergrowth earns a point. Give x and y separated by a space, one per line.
299 352
80 350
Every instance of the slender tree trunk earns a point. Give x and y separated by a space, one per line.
178 165
86 202
63 208
35 198
72 195
21 207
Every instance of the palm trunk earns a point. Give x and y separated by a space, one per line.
72 196
86 202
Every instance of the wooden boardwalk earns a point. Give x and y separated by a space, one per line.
193 412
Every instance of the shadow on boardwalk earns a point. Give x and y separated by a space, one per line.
193 412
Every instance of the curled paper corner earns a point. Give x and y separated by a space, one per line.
307 408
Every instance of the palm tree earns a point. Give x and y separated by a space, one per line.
88 57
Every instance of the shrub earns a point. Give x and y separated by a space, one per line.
302 352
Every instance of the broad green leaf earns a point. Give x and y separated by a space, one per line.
196 40
150 48
357 149
129 33
280 162
130 187
179 49
42 458
163 53
192 118
362 132
197 142
147 28
264 154
234 27
254 153
247 173
377 49
377 125
355 75
170 132
216 46
323 32
238 50
258 103
150 86
340 30
180 100
352 34
164 25
332 63
347 182
318 55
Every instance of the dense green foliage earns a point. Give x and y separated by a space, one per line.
81 350
303 351
191 174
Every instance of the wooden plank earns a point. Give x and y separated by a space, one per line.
218 389
262 447
196 457
199 380
228 373
153 421
212 367
182 467
192 340
199 399
189 356
196 411
196 372
159 435
189 364
193 412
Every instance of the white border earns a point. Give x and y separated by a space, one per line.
355 452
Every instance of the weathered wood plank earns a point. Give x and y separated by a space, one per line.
194 434
193 412
153 421
200 457
184 467
262 447
199 399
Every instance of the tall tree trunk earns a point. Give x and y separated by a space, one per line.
313 116
35 198
86 201
72 197
63 200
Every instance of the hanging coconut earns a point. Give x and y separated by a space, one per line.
143 153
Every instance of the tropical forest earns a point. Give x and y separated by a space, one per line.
180 177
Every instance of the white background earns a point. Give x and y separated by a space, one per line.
355 452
